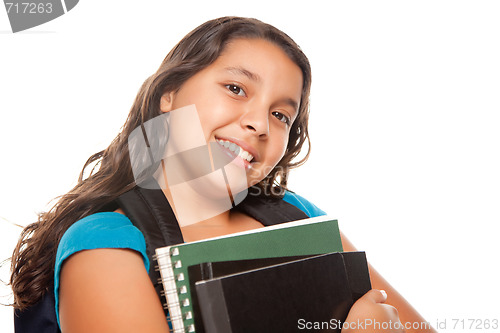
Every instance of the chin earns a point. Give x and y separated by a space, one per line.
235 177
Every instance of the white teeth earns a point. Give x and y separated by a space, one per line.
236 149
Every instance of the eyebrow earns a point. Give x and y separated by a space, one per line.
292 103
242 71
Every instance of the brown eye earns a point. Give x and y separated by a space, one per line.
235 89
281 117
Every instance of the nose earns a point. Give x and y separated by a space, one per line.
256 120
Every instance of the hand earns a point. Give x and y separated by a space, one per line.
370 314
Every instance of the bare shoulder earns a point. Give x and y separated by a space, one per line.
108 290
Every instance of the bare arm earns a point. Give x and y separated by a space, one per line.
407 313
108 290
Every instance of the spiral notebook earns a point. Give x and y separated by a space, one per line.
312 236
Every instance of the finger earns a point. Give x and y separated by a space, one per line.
376 296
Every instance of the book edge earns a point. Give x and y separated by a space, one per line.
286 225
165 267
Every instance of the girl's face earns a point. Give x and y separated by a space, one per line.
249 97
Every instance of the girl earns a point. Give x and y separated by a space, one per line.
242 88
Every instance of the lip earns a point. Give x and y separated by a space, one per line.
243 145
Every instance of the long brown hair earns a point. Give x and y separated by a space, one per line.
111 175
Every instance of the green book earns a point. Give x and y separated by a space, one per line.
317 235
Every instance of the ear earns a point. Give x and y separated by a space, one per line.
167 101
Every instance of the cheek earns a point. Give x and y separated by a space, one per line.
211 120
206 127
207 118
279 148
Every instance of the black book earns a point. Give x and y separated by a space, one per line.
210 270
308 292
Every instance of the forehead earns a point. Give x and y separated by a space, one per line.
263 62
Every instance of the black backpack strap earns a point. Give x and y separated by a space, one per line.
269 210
150 212
38 318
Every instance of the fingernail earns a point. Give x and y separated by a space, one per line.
384 293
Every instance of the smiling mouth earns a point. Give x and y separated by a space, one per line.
236 150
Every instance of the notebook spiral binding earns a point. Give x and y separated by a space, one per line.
188 329
171 291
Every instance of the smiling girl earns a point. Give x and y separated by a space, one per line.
83 267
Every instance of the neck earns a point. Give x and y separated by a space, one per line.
194 202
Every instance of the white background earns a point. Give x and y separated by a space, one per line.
404 125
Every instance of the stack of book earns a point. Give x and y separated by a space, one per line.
272 279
